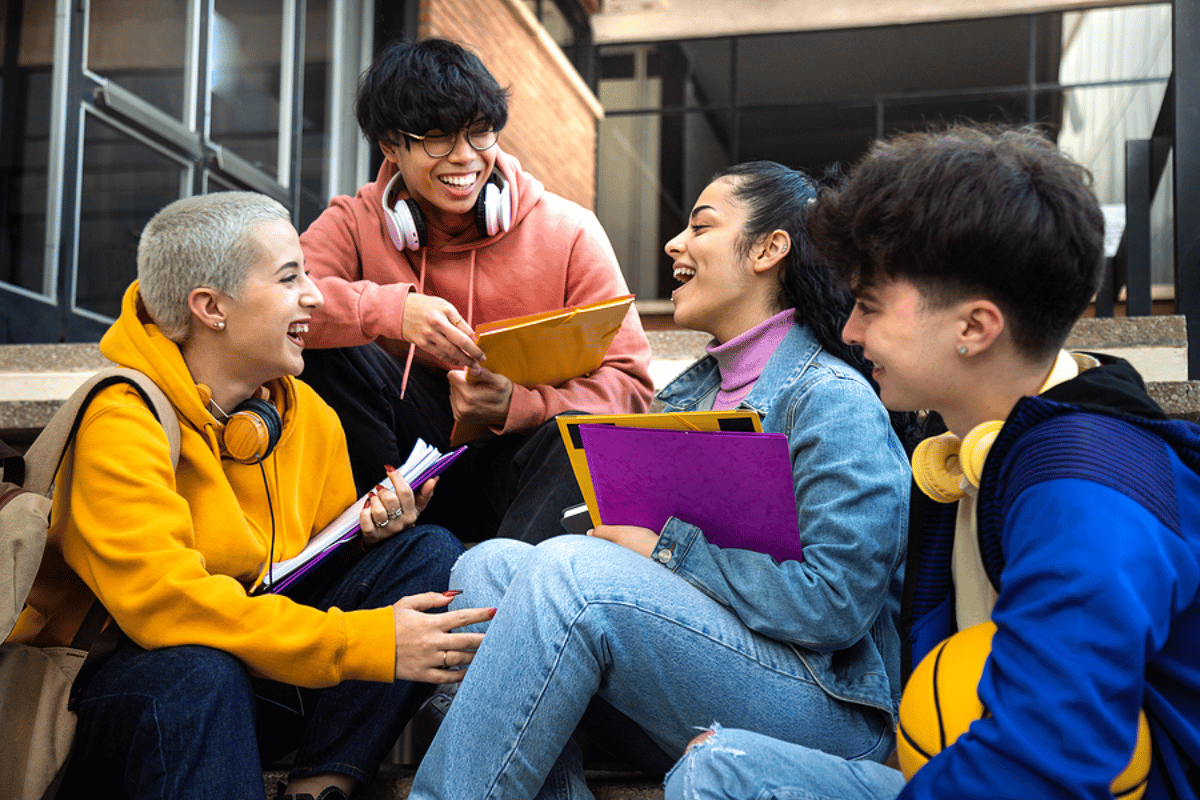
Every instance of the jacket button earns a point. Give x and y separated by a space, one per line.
663 555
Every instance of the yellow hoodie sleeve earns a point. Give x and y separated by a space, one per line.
131 535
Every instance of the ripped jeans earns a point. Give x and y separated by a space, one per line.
579 618
741 765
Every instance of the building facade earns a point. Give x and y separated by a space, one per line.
109 110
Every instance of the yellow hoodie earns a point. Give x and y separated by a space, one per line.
171 553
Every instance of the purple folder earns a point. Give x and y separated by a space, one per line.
734 486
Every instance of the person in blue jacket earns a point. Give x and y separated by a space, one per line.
650 635
971 252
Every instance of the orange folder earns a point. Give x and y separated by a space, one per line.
548 348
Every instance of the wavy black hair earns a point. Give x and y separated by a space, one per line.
427 85
780 198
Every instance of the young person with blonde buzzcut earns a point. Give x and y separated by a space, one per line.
209 681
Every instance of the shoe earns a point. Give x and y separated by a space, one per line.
437 706
328 793
429 716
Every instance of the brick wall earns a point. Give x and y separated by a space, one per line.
552 115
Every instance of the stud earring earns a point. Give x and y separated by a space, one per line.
962 349
219 325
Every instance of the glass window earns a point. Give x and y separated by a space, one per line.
314 130
245 69
147 58
24 153
124 183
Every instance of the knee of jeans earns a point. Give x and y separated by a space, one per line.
486 569
577 565
702 765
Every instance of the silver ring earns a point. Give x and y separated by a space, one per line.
394 515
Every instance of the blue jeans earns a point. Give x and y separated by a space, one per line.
581 617
190 721
740 765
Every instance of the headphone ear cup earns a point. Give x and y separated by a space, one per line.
936 468
493 207
252 431
974 449
411 224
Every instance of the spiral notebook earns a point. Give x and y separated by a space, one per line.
424 462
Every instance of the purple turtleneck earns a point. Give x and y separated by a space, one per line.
742 359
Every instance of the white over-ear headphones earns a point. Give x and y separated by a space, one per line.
406 225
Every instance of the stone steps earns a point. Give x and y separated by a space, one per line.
35 379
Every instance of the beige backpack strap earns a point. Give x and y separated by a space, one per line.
45 454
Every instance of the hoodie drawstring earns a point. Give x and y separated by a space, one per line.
412 348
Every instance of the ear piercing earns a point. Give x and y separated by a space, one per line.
962 349
219 325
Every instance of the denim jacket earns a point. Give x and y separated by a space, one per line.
839 606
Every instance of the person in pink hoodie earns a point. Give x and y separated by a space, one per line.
453 233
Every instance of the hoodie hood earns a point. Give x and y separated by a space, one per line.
134 341
1113 388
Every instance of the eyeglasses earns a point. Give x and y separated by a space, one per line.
439 145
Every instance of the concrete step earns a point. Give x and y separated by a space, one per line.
35 379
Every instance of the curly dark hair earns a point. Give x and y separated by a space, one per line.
968 211
432 84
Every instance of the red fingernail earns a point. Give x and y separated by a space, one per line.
367 504
370 495
491 613
452 593
388 468
378 488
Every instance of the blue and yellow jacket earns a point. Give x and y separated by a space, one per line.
1089 527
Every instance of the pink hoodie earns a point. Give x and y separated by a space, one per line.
555 255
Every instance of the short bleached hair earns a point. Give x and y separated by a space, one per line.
199 241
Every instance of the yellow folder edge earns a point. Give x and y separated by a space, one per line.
737 419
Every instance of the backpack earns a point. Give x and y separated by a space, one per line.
37 684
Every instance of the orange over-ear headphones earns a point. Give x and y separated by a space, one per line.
251 431
406 225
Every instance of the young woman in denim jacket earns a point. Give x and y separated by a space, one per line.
666 632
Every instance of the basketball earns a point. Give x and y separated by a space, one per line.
941 700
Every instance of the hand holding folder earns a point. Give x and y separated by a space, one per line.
548 348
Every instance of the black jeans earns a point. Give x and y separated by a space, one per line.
514 486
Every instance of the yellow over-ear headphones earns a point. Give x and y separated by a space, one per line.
941 463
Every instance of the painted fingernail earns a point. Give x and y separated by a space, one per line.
388 468
452 593
367 504
378 488
491 613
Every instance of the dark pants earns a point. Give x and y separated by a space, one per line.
515 485
190 721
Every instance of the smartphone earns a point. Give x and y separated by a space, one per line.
576 519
